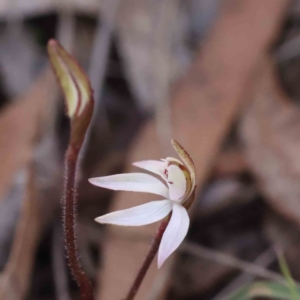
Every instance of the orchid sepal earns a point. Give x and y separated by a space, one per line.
132 182
144 214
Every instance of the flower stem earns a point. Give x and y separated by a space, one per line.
69 219
148 260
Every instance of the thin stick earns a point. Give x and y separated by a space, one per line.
148 260
98 63
101 47
166 14
69 218
231 261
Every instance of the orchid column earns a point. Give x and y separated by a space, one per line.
79 108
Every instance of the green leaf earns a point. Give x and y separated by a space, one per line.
288 276
267 289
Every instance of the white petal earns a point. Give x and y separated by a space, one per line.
139 215
135 182
174 234
176 182
154 166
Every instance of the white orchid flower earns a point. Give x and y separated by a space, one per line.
177 189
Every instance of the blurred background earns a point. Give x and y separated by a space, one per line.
220 76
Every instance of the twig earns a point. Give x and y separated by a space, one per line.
166 13
99 60
264 260
228 260
148 260
101 47
66 25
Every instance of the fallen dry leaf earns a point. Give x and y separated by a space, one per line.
205 103
19 125
14 280
271 132
25 128
146 31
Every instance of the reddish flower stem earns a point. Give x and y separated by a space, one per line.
148 260
69 221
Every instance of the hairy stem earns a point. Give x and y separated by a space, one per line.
69 221
148 260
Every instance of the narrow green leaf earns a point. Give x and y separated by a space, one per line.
267 289
288 276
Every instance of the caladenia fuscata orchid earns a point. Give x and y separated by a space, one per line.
172 179
79 105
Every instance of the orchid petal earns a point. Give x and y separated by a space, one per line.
154 166
134 182
176 181
139 215
174 234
